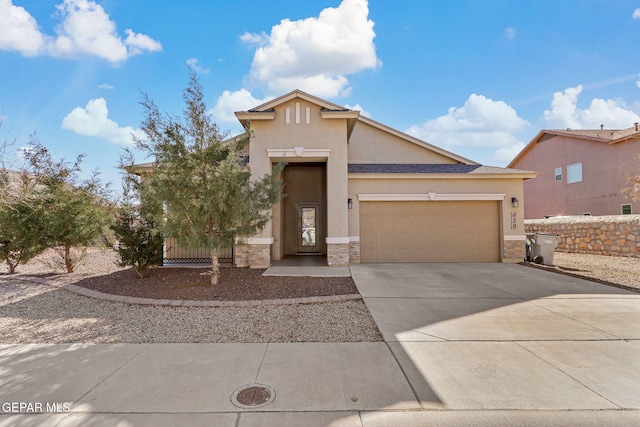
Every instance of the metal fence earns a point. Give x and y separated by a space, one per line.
174 254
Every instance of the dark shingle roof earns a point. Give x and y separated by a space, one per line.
410 168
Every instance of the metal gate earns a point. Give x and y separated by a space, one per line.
174 254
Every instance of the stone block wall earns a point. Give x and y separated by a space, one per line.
338 254
617 235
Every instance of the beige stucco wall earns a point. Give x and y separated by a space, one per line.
371 145
320 133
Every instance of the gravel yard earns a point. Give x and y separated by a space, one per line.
32 313
621 271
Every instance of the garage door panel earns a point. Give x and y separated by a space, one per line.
420 241
386 210
402 241
385 256
384 225
400 209
419 225
369 254
368 210
437 223
384 241
368 225
402 254
459 231
368 241
402 225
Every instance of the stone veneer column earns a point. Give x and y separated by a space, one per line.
338 254
354 250
259 256
241 255
514 250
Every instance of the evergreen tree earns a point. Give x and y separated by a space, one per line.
74 213
208 196
139 240
21 226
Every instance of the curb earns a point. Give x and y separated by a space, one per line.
184 303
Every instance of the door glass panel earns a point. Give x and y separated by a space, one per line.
308 227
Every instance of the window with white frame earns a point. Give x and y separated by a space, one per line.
574 173
625 209
558 174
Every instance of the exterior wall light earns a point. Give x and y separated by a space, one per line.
514 202
350 203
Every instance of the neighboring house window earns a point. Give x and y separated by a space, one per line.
574 173
626 209
558 174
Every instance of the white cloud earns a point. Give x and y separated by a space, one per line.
138 43
636 14
230 102
358 107
563 108
508 153
638 81
93 120
19 30
510 33
106 86
85 29
612 113
316 54
193 64
480 123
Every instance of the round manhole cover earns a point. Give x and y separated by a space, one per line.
253 396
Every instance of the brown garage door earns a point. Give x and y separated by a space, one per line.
460 231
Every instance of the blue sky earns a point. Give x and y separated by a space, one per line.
480 79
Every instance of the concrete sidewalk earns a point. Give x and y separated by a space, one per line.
472 345
359 384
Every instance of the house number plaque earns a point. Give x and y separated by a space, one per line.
514 220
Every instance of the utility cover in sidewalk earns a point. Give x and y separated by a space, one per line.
253 396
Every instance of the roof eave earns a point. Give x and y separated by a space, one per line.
269 105
449 176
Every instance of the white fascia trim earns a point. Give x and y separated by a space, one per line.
426 197
354 238
254 240
519 237
337 240
298 152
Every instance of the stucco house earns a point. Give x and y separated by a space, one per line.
359 191
581 172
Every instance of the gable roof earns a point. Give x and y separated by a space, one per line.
329 109
605 136
270 105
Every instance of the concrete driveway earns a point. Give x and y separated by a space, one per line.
481 344
499 336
